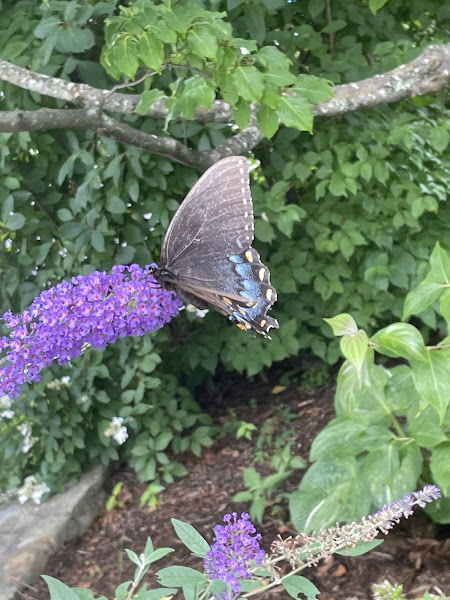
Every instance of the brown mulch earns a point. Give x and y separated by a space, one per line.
416 554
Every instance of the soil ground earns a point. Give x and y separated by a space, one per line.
416 553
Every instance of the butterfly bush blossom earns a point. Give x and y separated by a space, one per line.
306 549
94 309
234 552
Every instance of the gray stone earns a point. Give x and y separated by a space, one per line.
30 534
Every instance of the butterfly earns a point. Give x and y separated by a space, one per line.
207 257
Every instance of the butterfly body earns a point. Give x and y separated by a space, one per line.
207 256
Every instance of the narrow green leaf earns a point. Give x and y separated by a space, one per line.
180 576
58 590
191 538
360 548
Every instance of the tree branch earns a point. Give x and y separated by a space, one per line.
428 73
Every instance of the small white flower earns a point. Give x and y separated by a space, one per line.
65 380
5 402
7 414
32 491
117 431
244 50
198 312
8 243
25 429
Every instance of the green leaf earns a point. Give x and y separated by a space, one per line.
46 27
421 298
342 324
297 113
124 57
180 576
202 42
439 138
276 65
116 205
248 82
440 265
191 538
150 50
58 590
295 585
425 429
197 92
432 380
11 183
360 548
440 466
375 5
98 241
334 26
148 99
15 221
74 39
401 340
354 347
255 22
268 121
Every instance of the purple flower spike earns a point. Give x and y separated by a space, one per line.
234 551
94 309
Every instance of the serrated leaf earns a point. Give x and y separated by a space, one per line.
148 99
242 113
191 538
313 88
296 112
268 121
203 42
401 340
276 65
248 82
343 324
150 50
295 585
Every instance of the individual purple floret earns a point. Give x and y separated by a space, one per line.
234 552
94 309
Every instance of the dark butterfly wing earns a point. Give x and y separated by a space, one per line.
215 218
207 254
